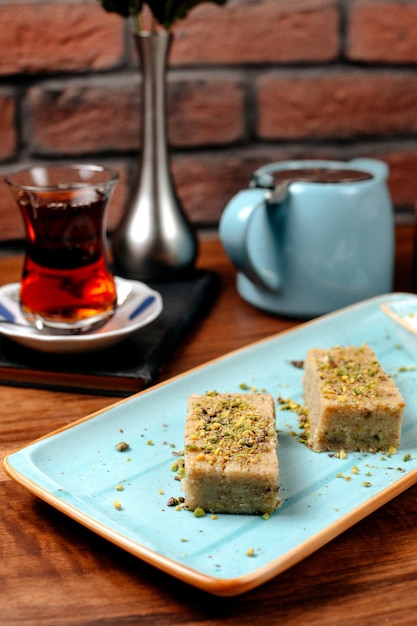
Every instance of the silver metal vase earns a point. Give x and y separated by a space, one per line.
154 240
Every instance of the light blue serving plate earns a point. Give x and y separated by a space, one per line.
78 468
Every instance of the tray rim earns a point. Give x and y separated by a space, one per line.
226 587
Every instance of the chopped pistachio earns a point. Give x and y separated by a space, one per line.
225 429
122 446
287 404
351 380
178 464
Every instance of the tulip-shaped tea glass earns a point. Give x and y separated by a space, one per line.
66 284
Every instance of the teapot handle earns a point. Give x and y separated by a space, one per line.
248 240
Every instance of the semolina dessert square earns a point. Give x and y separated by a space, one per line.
231 462
352 404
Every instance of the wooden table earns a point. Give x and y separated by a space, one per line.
55 572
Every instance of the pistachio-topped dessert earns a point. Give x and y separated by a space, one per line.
231 463
352 404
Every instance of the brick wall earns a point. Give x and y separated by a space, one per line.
249 83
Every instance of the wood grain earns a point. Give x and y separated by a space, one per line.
54 572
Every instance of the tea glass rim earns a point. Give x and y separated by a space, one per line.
12 179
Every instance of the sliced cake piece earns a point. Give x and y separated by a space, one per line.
231 463
352 404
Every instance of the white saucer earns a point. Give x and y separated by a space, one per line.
137 306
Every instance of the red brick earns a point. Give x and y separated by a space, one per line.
54 37
239 93
206 110
84 116
87 116
8 130
382 31
330 104
10 219
205 183
265 31
403 178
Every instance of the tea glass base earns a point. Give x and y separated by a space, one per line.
53 326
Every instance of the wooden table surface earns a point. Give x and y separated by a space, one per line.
55 572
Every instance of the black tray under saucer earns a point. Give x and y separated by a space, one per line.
125 368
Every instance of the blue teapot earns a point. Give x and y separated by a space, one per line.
311 236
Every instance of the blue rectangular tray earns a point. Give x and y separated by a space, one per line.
78 469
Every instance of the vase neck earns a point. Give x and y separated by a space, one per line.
153 50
